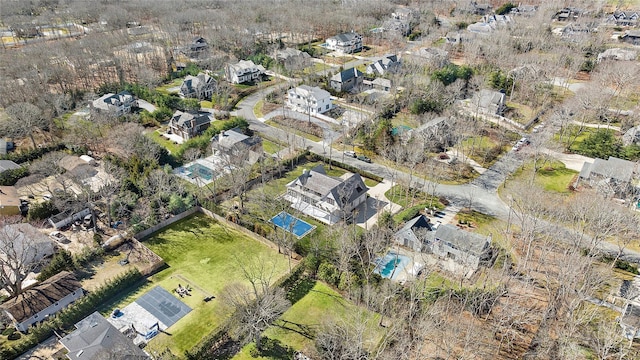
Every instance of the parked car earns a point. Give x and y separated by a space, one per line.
350 153
364 158
58 236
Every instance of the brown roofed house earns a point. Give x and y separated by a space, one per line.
42 300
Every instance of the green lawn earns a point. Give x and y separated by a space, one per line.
270 147
163 141
207 254
297 327
552 176
257 110
398 194
165 88
206 104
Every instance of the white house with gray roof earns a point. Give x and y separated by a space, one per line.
309 100
96 338
326 198
614 176
346 43
116 104
243 71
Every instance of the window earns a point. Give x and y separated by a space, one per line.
35 316
319 109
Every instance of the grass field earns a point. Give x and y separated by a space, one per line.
295 131
206 255
296 328
165 88
270 147
553 176
163 141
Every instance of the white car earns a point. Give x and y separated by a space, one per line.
350 153
58 236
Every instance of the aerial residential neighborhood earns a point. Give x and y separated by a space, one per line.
280 179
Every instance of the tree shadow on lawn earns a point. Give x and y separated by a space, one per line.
273 348
303 329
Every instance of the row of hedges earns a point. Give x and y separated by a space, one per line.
348 167
65 319
32 154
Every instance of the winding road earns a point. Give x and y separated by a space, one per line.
480 195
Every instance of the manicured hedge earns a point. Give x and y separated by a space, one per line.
29 155
10 177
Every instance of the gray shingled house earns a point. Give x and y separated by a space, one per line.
189 124
347 80
612 176
95 338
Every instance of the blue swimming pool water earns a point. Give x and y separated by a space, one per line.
290 223
200 171
385 265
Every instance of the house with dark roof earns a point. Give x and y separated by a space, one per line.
326 198
243 71
383 64
198 45
568 14
413 232
347 80
447 242
309 100
42 300
5 146
489 101
96 338
234 145
623 18
613 176
631 37
400 27
199 87
115 104
189 124
346 43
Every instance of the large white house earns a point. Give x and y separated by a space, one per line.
346 43
243 71
307 99
326 198
116 104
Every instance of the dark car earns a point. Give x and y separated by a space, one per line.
364 158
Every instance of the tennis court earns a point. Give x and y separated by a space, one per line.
292 224
165 307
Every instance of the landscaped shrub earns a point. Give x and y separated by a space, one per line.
8 331
61 261
410 214
10 177
41 211
14 336
328 272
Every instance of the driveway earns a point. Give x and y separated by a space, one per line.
146 105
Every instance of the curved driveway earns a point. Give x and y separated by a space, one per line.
480 195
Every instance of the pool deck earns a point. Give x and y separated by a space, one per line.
416 262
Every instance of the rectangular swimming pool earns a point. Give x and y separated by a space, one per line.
201 171
391 264
292 224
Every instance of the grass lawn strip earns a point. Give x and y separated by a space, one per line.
305 317
205 253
